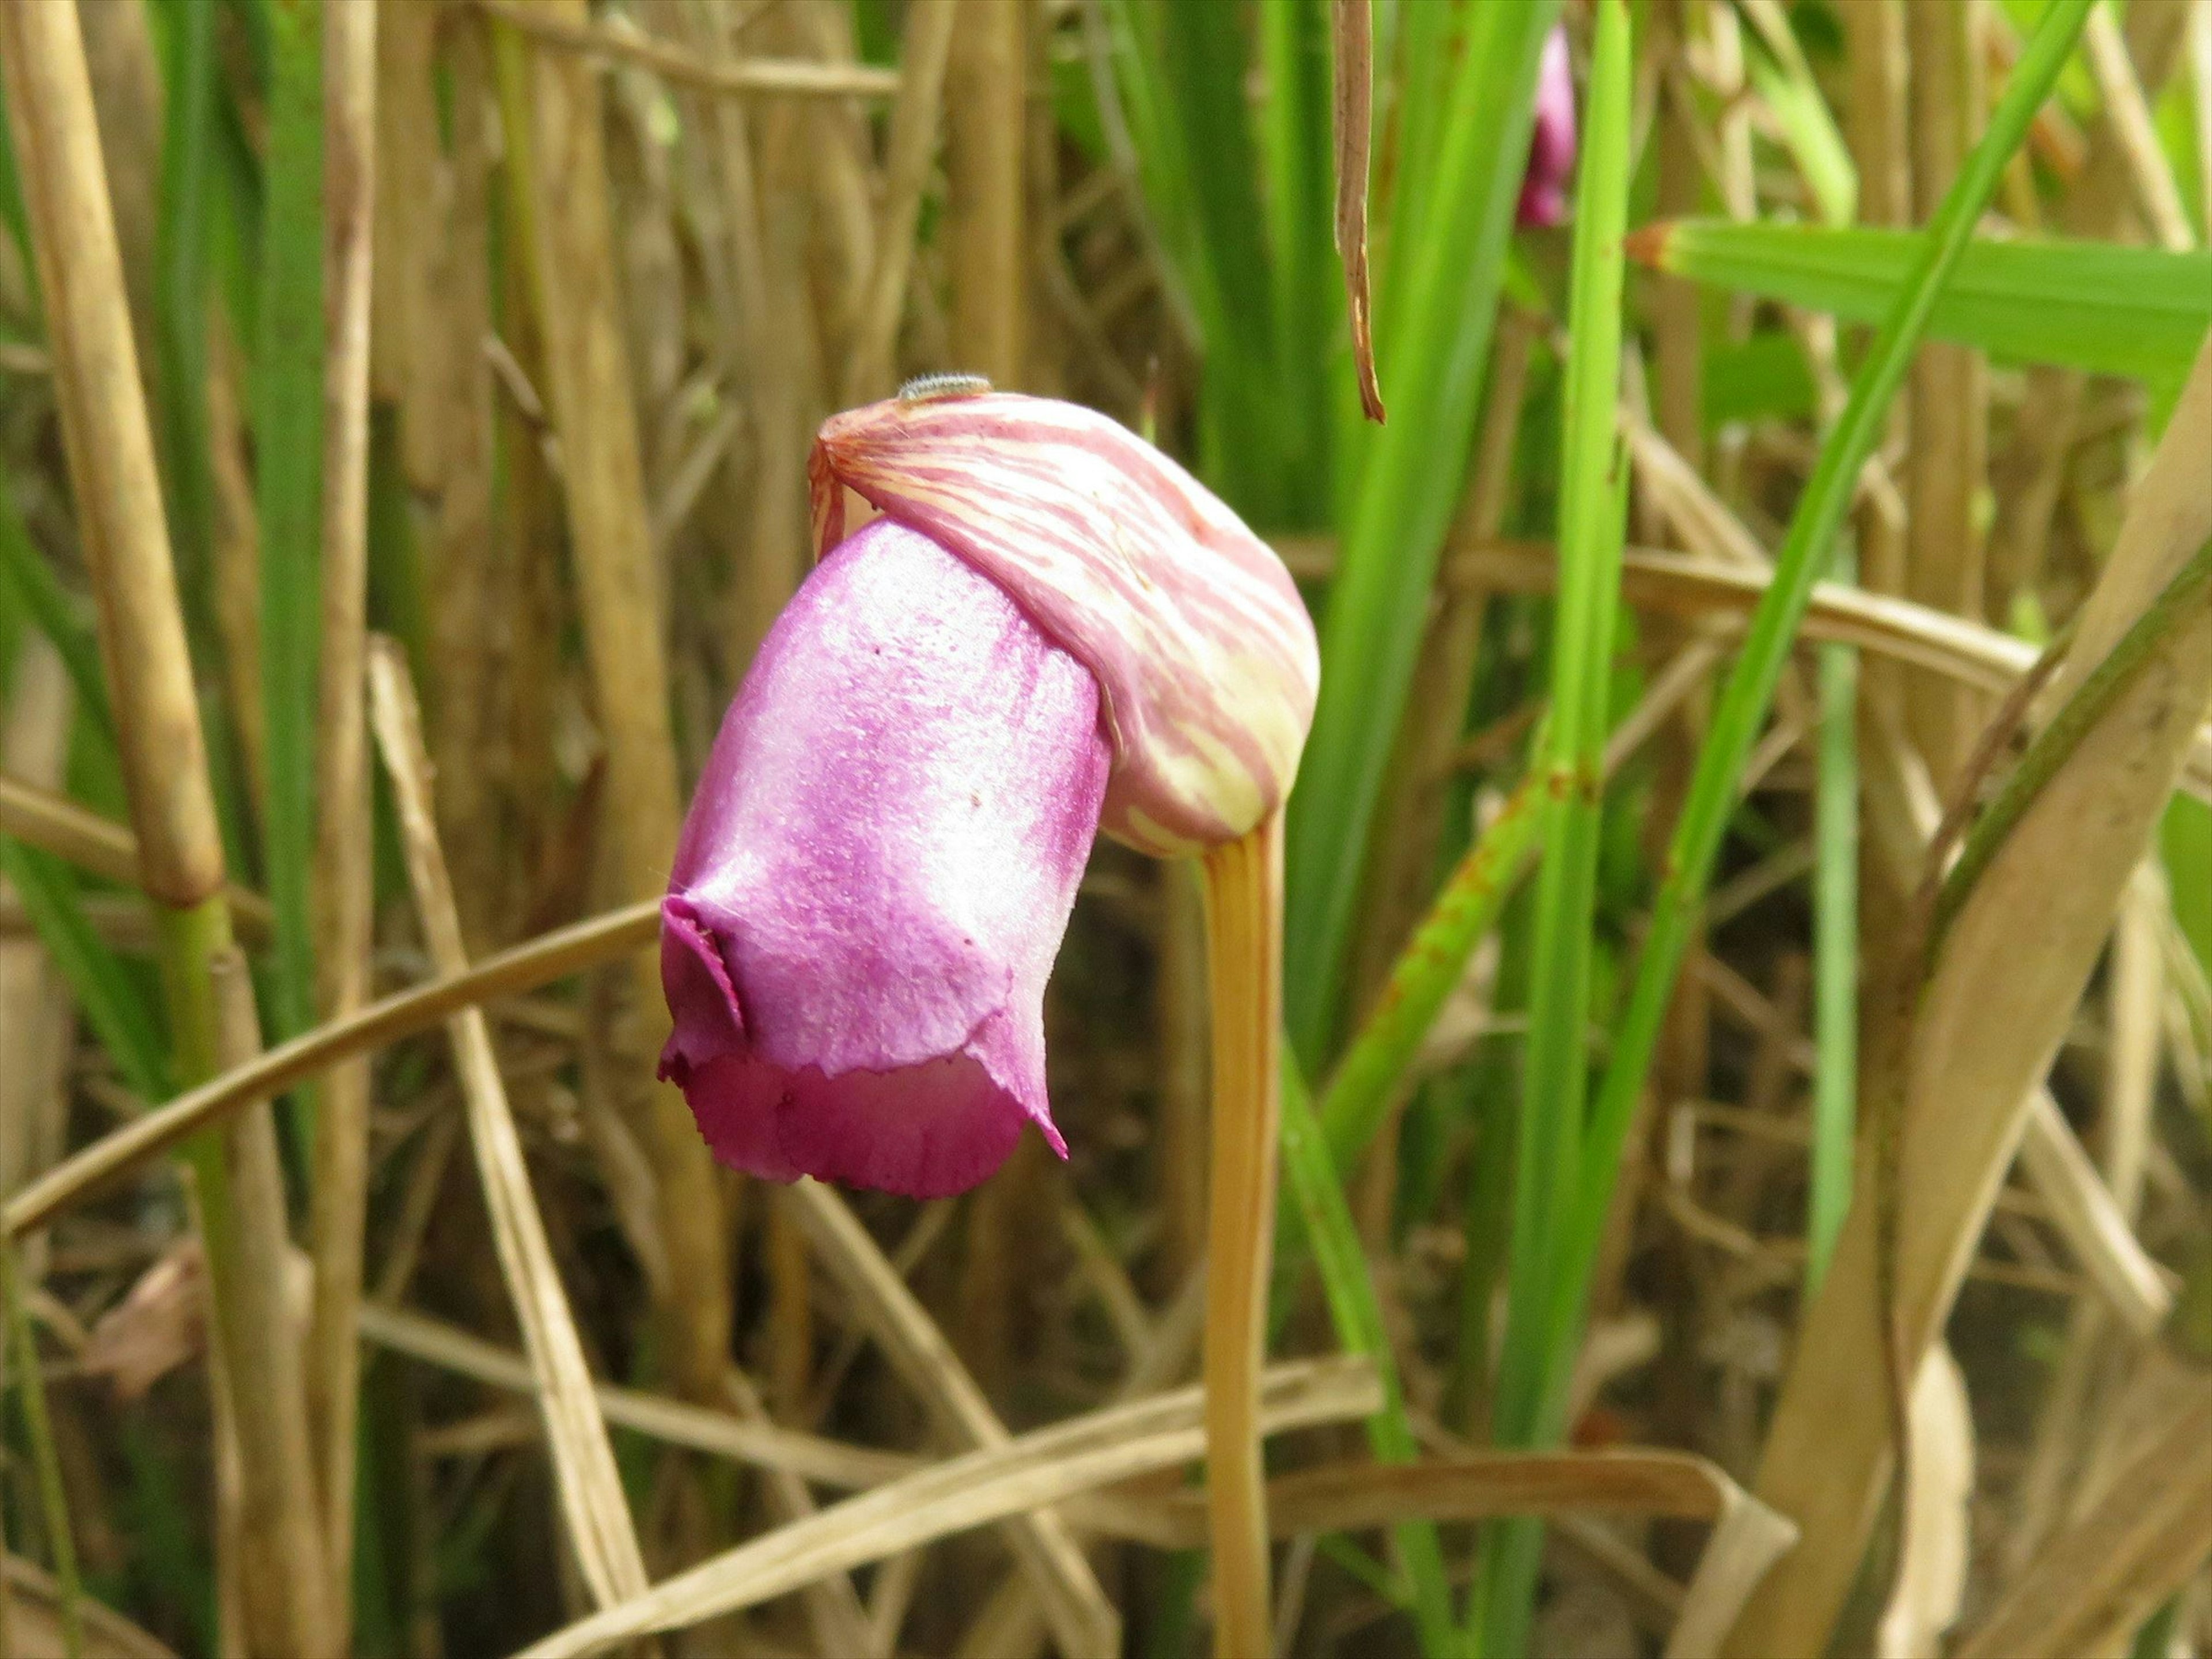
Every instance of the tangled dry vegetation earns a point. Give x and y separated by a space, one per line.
404 416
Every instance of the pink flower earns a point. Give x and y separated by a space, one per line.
1052 624
1551 145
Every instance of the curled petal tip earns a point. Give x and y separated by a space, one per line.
1201 647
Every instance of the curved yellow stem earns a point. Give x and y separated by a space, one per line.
1244 919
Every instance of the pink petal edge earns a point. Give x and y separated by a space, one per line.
876 875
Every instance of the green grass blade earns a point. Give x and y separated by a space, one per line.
1373 1070
1358 1321
12 212
1534 1413
2100 307
186 154
114 1005
2186 841
1295 162
1434 312
1784 83
1205 64
1424 53
1835 959
288 444
1376 1062
1593 508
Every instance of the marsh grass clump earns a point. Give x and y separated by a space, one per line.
636 634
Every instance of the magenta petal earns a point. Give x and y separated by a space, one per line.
876 875
1552 144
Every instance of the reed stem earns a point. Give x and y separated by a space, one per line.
1244 924
343 878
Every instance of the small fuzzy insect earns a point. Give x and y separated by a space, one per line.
934 388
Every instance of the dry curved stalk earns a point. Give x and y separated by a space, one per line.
2011 970
1023 1475
1245 965
602 938
593 1503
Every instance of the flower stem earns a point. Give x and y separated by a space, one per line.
1244 922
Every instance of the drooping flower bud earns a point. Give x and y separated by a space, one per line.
1204 652
1552 144
1054 629
875 877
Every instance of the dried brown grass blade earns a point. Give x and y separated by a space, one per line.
2012 969
593 1508
840 1623
2129 113
719 1433
2065 1424
1355 1497
2134 1285
1354 30
793 77
343 874
1747 1539
550 957
1026 1474
1692 586
2098 1578
1081 1617
1938 1488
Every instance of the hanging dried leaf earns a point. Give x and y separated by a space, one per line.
1355 112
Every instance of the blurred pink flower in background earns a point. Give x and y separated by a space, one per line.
1551 145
